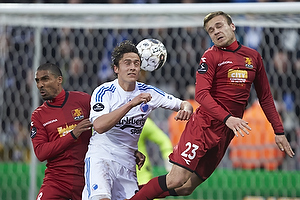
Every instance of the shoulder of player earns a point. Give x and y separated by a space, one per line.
249 50
78 93
149 88
39 109
107 86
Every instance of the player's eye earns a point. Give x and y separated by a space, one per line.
137 63
219 25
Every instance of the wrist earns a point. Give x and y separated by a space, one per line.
279 133
73 135
225 119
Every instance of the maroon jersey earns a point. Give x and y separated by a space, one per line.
223 84
224 80
51 124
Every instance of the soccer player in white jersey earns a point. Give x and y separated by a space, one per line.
119 110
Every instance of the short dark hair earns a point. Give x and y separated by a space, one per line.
54 69
211 15
124 47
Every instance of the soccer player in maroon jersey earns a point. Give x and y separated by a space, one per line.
223 81
60 132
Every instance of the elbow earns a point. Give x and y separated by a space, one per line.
98 128
200 96
40 157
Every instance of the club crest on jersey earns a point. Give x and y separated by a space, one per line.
144 107
77 114
202 68
248 62
98 107
94 187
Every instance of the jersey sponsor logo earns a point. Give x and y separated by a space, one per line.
248 62
144 107
135 124
225 62
237 77
98 107
33 132
77 114
63 131
202 68
50 122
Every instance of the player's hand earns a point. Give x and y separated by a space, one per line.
141 98
238 125
284 145
185 112
183 115
82 126
139 159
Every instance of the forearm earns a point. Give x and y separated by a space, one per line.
105 122
48 150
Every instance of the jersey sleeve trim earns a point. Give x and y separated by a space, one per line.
73 135
226 118
102 91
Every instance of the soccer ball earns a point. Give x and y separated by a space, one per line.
153 54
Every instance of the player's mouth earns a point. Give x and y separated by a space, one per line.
42 92
220 38
131 74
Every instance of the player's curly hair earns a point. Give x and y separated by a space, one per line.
124 47
211 15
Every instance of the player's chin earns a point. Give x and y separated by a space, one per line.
133 76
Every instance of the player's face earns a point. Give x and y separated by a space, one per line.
221 33
129 68
48 85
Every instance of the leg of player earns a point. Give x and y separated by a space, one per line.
187 189
176 178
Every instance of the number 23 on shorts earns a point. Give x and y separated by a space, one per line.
189 152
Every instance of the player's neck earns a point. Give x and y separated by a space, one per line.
233 46
127 86
59 99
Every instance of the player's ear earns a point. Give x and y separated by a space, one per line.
116 69
232 26
60 79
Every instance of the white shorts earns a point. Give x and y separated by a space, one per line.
108 179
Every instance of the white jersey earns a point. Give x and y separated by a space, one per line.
120 142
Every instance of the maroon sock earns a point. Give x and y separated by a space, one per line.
167 193
152 189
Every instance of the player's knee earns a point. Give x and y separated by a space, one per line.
176 183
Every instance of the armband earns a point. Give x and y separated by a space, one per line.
279 133
225 119
73 135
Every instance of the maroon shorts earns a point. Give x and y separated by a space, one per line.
56 190
202 145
